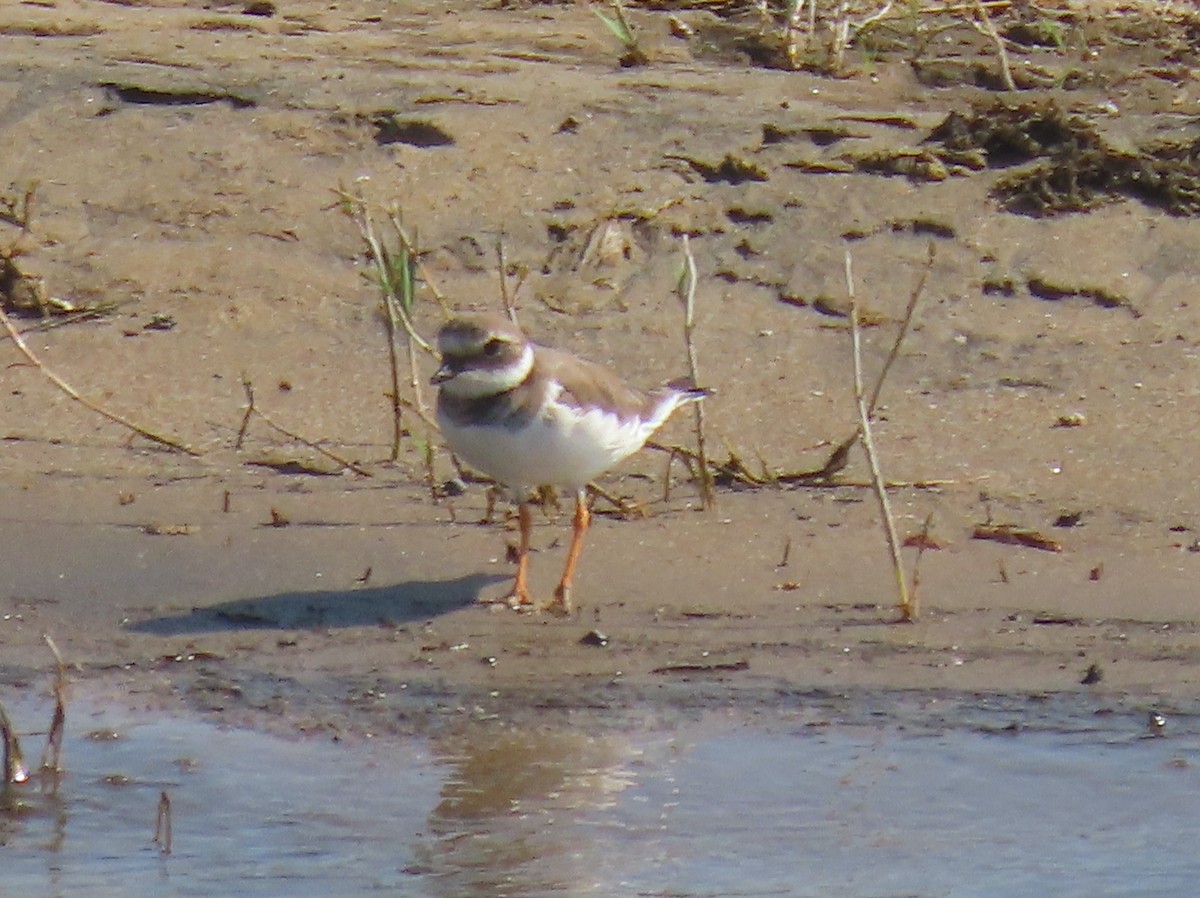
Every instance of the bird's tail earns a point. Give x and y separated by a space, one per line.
688 391
694 394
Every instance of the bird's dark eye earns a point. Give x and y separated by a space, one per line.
492 348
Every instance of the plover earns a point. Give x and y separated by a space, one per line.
530 416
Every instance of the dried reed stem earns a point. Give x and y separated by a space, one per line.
396 275
905 326
794 30
162 824
841 36
922 544
356 208
505 297
397 303
403 301
841 452
389 321
984 26
688 294
252 409
14 770
908 609
846 30
52 756
965 7
20 343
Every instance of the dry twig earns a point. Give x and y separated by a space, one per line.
162 824
845 30
626 508
52 756
923 542
507 298
14 770
983 24
252 409
1016 536
20 343
908 609
396 276
841 452
16 205
687 293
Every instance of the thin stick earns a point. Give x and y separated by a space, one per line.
316 447
87 403
509 309
420 413
688 294
396 277
922 544
394 312
52 756
383 274
389 321
359 214
845 30
403 300
905 324
963 7
627 508
793 30
409 243
908 610
841 36
248 388
19 211
872 19
14 770
841 452
162 824
985 26
430 471
685 456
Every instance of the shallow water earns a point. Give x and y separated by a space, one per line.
714 808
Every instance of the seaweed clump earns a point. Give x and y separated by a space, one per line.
1066 165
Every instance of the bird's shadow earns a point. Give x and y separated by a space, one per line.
375 606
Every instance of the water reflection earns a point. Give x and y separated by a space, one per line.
515 810
714 808
36 804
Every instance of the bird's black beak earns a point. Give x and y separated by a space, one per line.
443 374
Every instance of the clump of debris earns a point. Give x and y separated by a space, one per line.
1063 164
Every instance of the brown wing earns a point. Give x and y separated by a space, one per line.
588 385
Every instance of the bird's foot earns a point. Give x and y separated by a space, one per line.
561 603
520 602
516 599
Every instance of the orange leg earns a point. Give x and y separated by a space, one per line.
583 519
518 596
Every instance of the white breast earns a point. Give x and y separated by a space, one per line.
560 446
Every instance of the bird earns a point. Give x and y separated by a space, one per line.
531 416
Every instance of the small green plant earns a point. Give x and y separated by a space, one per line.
870 56
618 23
396 265
1052 33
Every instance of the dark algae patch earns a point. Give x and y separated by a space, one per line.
1062 164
